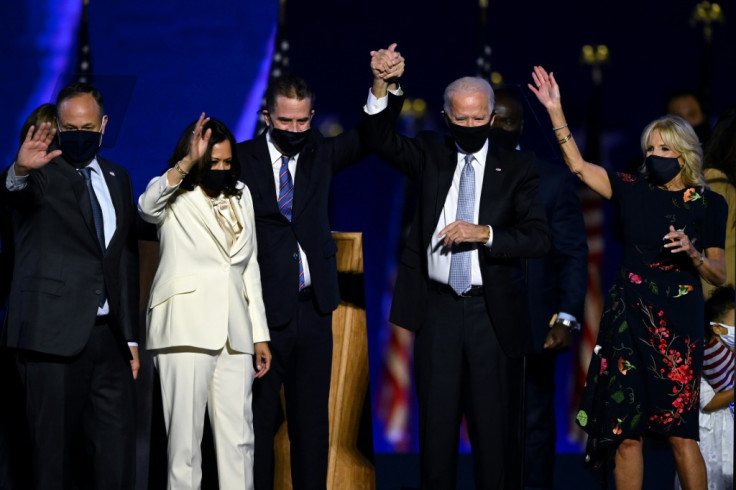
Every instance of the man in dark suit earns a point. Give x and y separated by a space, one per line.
461 283
288 171
73 306
557 287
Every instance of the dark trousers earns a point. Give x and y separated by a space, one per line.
541 431
461 370
302 363
81 416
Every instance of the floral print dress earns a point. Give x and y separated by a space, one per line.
644 375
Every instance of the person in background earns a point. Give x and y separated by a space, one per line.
14 451
644 374
557 284
206 323
719 170
288 170
687 105
716 390
73 309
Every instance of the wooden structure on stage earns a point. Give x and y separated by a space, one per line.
347 467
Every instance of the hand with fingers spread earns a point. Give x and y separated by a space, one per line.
33 152
545 88
197 148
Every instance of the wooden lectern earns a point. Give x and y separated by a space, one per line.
347 467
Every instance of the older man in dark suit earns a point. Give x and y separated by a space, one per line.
288 171
73 306
461 282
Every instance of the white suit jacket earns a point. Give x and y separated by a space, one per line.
203 294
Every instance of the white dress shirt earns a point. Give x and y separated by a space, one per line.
439 256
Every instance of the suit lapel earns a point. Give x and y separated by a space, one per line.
261 169
302 180
76 181
116 194
445 172
200 206
493 177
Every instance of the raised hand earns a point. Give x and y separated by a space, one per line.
545 88
387 64
198 143
33 152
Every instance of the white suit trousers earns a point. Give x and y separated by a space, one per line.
191 381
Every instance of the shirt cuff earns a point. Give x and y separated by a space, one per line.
132 344
15 182
375 105
490 237
566 316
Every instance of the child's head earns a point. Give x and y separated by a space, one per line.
719 314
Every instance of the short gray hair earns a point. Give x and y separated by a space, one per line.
470 84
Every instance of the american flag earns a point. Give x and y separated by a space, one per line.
84 55
279 62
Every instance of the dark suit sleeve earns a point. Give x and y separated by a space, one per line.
353 146
402 153
569 248
524 233
129 273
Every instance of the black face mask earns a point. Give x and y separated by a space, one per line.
470 140
289 143
661 170
507 140
79 147
215 180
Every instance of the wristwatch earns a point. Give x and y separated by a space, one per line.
572 325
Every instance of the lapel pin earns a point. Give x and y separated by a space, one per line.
113 173
498 169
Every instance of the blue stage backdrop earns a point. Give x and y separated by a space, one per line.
161 63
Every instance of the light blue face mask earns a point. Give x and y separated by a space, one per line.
727 337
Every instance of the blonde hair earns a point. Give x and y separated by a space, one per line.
680 136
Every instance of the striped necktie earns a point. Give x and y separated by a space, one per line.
286 200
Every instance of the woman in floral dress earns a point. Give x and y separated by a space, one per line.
644 376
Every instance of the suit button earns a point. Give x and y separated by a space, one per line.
296 255
98 291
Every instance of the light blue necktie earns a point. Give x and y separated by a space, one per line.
286 200
460 261
96 215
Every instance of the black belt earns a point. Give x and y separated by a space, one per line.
101 320
445 288
305 294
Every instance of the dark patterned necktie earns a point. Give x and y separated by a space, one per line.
96 216
286 200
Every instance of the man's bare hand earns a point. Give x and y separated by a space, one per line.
463 232
32 154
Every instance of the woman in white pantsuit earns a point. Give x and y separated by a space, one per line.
206 322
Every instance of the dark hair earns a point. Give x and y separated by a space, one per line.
289 86
79 88
720 302
720 152
512 95
220 133
678 93
41 114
